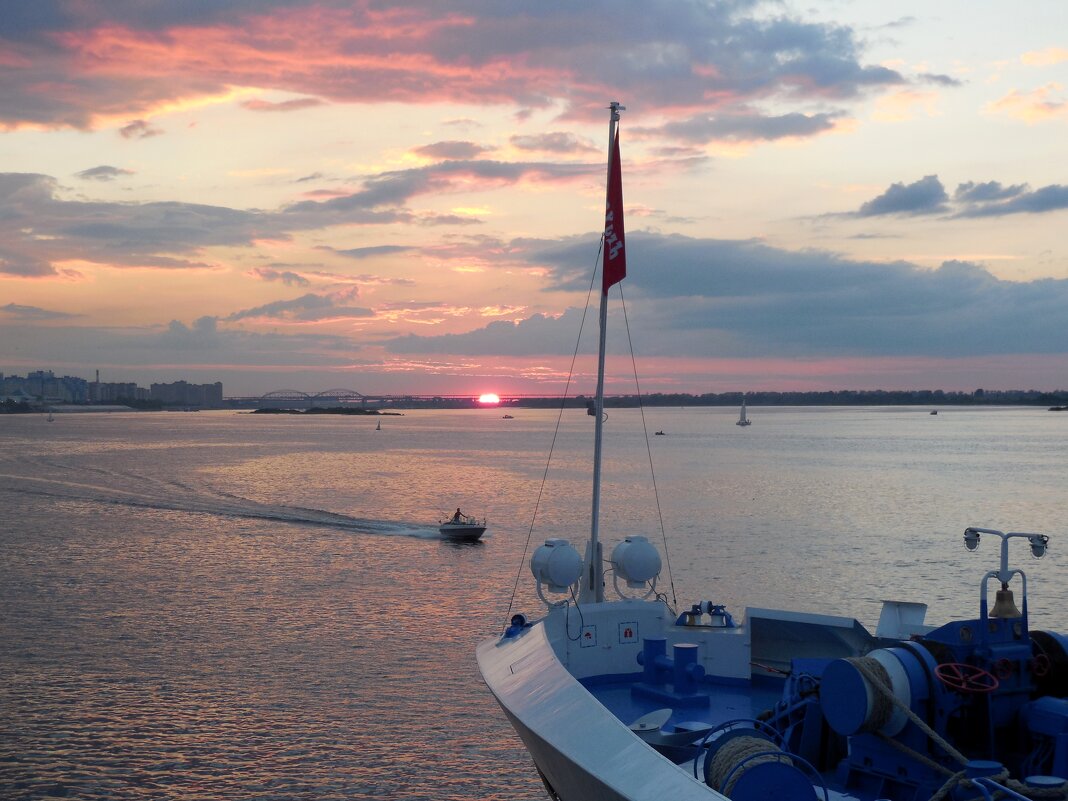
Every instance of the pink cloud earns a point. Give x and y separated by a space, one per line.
98 67
285 105
1039 104
138 129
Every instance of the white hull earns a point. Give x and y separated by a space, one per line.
461 532
582 750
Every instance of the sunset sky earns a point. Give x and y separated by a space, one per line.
408 197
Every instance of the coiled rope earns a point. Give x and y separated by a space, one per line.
882 686
882 706
751 750
878 678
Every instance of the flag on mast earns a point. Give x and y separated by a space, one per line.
615 253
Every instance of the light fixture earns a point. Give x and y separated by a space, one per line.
556 564
971 539
1038 544
636 561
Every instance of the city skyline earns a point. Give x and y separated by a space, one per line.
409 198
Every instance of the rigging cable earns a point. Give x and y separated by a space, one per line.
556 431
649 450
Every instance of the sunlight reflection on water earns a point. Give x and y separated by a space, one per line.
232 606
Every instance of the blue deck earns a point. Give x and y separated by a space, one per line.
725 701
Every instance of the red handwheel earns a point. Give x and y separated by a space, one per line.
966 678
1040 665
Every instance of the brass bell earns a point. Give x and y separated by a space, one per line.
1005 605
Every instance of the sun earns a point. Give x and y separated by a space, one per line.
489 397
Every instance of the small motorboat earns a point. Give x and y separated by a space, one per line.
508 417
659 434
461 527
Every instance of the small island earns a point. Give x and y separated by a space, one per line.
328 410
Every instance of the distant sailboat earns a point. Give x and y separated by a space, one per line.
51 417
742 419
379 426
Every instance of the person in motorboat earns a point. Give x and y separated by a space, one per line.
456 518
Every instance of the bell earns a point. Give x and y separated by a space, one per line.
1005 606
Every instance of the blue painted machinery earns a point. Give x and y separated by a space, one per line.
983 699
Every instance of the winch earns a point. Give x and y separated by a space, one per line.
913 717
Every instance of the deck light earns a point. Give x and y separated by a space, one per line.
556 564
636 561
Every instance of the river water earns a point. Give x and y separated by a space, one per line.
220 605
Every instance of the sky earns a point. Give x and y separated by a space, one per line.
405 197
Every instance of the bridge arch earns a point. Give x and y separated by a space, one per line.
286 394
340 394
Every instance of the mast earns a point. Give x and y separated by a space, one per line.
592 589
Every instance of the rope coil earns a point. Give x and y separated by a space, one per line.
955 779
882 706
724 772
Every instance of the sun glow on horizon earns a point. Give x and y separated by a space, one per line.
489 397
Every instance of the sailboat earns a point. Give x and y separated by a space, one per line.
51 417
742 419
626 699
379 426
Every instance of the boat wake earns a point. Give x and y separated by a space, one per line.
147 492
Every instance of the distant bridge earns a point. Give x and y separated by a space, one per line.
326 396
295 398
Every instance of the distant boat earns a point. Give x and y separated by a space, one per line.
379 426
461 528
742 419
508 417
659 433
935 411
51 417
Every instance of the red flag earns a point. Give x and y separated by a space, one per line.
615 253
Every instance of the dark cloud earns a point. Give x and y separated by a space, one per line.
22 265
33 313
925 196
375 250
744 126
554 142
714 298
139 129
391 189
287 277
1039 201
900 22
37 228
971 199
205 348
536 335
451 150
306 308
972 192
285 105
939 80
102 173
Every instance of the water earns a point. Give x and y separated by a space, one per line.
222 605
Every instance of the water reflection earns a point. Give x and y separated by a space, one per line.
227 606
